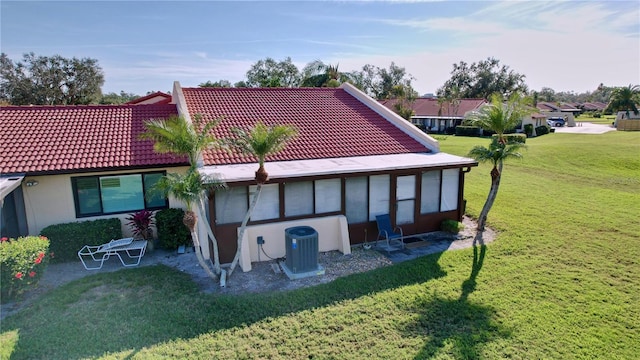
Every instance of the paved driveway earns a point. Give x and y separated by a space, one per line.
585 128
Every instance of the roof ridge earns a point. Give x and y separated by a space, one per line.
87 106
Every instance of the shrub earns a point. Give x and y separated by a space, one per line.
451 226
171 231
542 130
514 138
140 224
22 263
528 130
67 239
468 131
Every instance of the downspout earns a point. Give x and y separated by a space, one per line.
462 203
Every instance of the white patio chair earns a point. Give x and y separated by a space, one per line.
99 254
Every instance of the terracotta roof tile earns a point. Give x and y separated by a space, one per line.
330 122
79 138
424 107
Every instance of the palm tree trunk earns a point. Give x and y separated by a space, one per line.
496 174
198 251
216 253
243 227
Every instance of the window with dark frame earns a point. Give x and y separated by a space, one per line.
115 194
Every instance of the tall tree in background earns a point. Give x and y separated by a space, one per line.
219 83
379 82
319 74
115 99
498 116
54 80
405 96
483 79
625 99
271 73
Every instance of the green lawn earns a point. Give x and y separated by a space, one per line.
561 281
605 119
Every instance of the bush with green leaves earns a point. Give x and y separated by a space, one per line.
528 130
67 239
171 231
468 131
542 130
22 263
514 138
451 226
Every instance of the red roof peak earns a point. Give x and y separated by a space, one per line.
331 123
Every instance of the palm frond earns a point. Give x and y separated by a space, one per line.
500 116
261 140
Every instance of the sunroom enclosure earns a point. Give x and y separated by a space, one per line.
417 199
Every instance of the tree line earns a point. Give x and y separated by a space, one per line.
55 80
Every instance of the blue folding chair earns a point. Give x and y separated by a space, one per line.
393 237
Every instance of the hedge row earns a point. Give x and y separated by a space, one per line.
468 131
67 239
514 138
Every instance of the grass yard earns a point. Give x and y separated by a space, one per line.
604 120
562 281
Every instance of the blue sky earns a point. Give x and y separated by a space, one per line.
145 45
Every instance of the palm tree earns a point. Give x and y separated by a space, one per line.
176 135
501 117
319 74
260 142
625 98
191 188
497 117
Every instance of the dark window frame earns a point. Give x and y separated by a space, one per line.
76 199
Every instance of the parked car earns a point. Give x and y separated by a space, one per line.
557 122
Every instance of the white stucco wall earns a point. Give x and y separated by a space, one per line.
333 234
51 200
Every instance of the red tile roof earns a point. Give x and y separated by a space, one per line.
331 123
65 139
424 107
157 97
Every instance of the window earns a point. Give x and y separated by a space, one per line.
231 205
405 199
450 178
378 195
268 206
298 198
113 194
328 195
430 196
356 199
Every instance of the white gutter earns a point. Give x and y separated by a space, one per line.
402 124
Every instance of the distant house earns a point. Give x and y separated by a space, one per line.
627 121
157 98
592 106
561 107
353 159
439 116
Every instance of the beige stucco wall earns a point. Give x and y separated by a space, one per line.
51 200
333 234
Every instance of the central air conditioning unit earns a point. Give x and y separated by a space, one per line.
301 244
